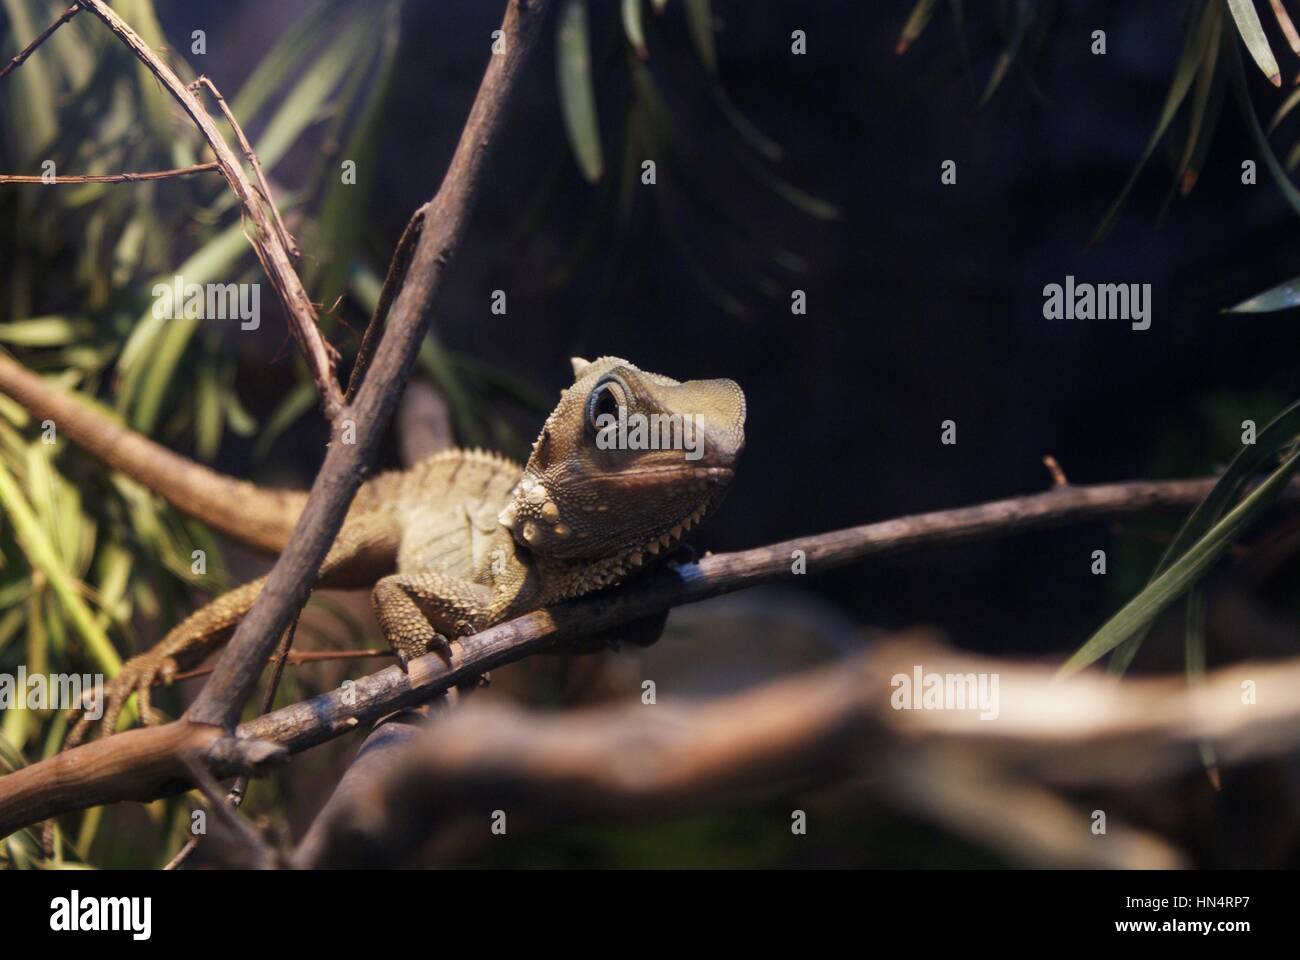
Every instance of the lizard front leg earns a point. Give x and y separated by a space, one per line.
184 646
421 611
353 558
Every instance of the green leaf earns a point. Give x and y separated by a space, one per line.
577 93
1257 132
208 418
279 63
1189 62
742 125
1289 104
30 105
1282 297
52 331
296 403
1204 110
1022 16
699 20
1194 656
1249 461
343 211
42 555
1182 574
154 102
309 100
169 350
1252 34
241 422
142 351
634 28
916 23
812 205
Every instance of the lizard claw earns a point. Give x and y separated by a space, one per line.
136 676
407 652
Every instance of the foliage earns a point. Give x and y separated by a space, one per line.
92 566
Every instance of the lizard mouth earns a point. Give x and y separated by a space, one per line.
663 544
657 476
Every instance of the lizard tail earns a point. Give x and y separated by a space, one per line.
253 515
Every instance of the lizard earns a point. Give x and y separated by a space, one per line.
461 541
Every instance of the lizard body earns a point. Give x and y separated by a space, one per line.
461 541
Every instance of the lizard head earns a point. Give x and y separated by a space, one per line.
626 464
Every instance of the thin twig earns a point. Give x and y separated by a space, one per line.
259 853
397 268
263 187
287 586
296 658
237 791
275 257
111 177
44 35
1054 468
235 797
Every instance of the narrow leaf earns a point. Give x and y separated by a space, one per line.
1182 574
577 94
1282 297
916 23
1249 461
1252 34
1189 62
634 28
699 18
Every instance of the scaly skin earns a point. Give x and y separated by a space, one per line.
462 540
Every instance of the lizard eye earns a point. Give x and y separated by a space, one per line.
605 400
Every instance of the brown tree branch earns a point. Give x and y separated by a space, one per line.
837 723
303 725
222 699
397 267
295 658
149 764
263 187
44 35
111 177
267 239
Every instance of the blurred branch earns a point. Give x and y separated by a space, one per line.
833 724
1026 823
365 700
